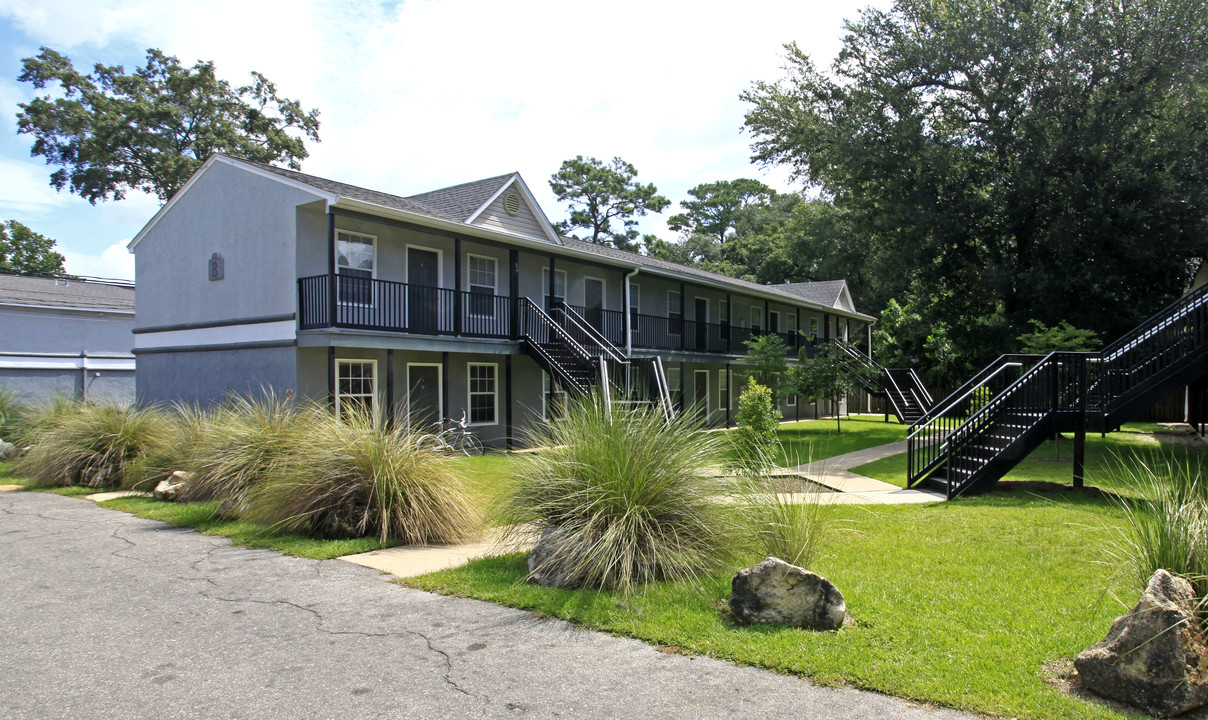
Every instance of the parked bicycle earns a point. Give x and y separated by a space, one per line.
453 437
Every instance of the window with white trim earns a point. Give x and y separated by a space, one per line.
675 385
355 254
790 321
483 284
774 321
559 286
675 312
813 327
723 389
756 320
635 297
356 386
553 399
483 381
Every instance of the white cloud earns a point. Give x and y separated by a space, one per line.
25 190
112 262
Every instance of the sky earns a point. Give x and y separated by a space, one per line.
424 94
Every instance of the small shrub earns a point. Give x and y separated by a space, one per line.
352 478
757 419
90 444
630 496
1168 521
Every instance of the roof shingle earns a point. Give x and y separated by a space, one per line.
55 292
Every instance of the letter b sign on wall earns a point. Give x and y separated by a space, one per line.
216 270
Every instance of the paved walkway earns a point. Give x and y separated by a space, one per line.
854 489
106 615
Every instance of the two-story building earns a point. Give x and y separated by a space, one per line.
255 277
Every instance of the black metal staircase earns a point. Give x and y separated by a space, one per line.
981 431
902 387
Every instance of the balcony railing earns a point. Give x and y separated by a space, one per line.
369 304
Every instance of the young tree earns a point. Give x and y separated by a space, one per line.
604 199
26 252
828 375
1009 161
766 358
111 132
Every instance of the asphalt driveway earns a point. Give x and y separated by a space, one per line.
104 615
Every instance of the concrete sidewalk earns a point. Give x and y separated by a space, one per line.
835 473
106 615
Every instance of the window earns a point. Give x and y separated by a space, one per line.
790 321
675 312
723 388
482 282
756 320
559 286
635 298
354 265
356 381
553 405
484 393
774 321
723 317
790 400
813 327
675 386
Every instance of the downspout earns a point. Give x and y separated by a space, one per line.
629 313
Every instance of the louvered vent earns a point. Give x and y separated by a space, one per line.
511 203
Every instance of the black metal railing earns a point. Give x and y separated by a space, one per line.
369 304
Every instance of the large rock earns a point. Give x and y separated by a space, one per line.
551 558
1152 656
7 450
776 592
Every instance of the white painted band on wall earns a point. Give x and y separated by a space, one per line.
222 335
52 362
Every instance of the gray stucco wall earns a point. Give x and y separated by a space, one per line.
206 377
248 219
60 331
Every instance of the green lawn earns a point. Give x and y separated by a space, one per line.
1053 461
810 440
960 604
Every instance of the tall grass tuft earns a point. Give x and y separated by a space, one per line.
1167 521
792 531
242 444
188 428
353 478
11 411
90 444
632 500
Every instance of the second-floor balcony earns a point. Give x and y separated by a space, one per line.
382 305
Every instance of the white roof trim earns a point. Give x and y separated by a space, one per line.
66 308
205 166
844 299
546 226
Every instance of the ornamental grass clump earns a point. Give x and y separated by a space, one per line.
243 443
188 427
627 498
354 478
90 444
1167 521
11 411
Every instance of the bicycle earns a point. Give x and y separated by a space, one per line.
453 437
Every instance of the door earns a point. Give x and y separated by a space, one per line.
701 306
423 396
700 392
593 302
423 294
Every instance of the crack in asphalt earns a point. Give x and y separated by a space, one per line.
320 621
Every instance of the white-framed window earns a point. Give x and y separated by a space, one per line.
675 384
553 399
635 297
756 320
790 320
774 321
813 327
723 312
559 286
482 278
483 389
356 386
675 312
723 388
355 265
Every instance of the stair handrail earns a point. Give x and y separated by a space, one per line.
605 389
919 426
581 324
555 329
918 383
1157 321
938 409
554 365
664 390
889 375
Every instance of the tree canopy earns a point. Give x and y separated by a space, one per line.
26 252
604 200
1004 161
110 132
714 209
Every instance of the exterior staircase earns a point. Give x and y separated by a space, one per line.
902 387
981 431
